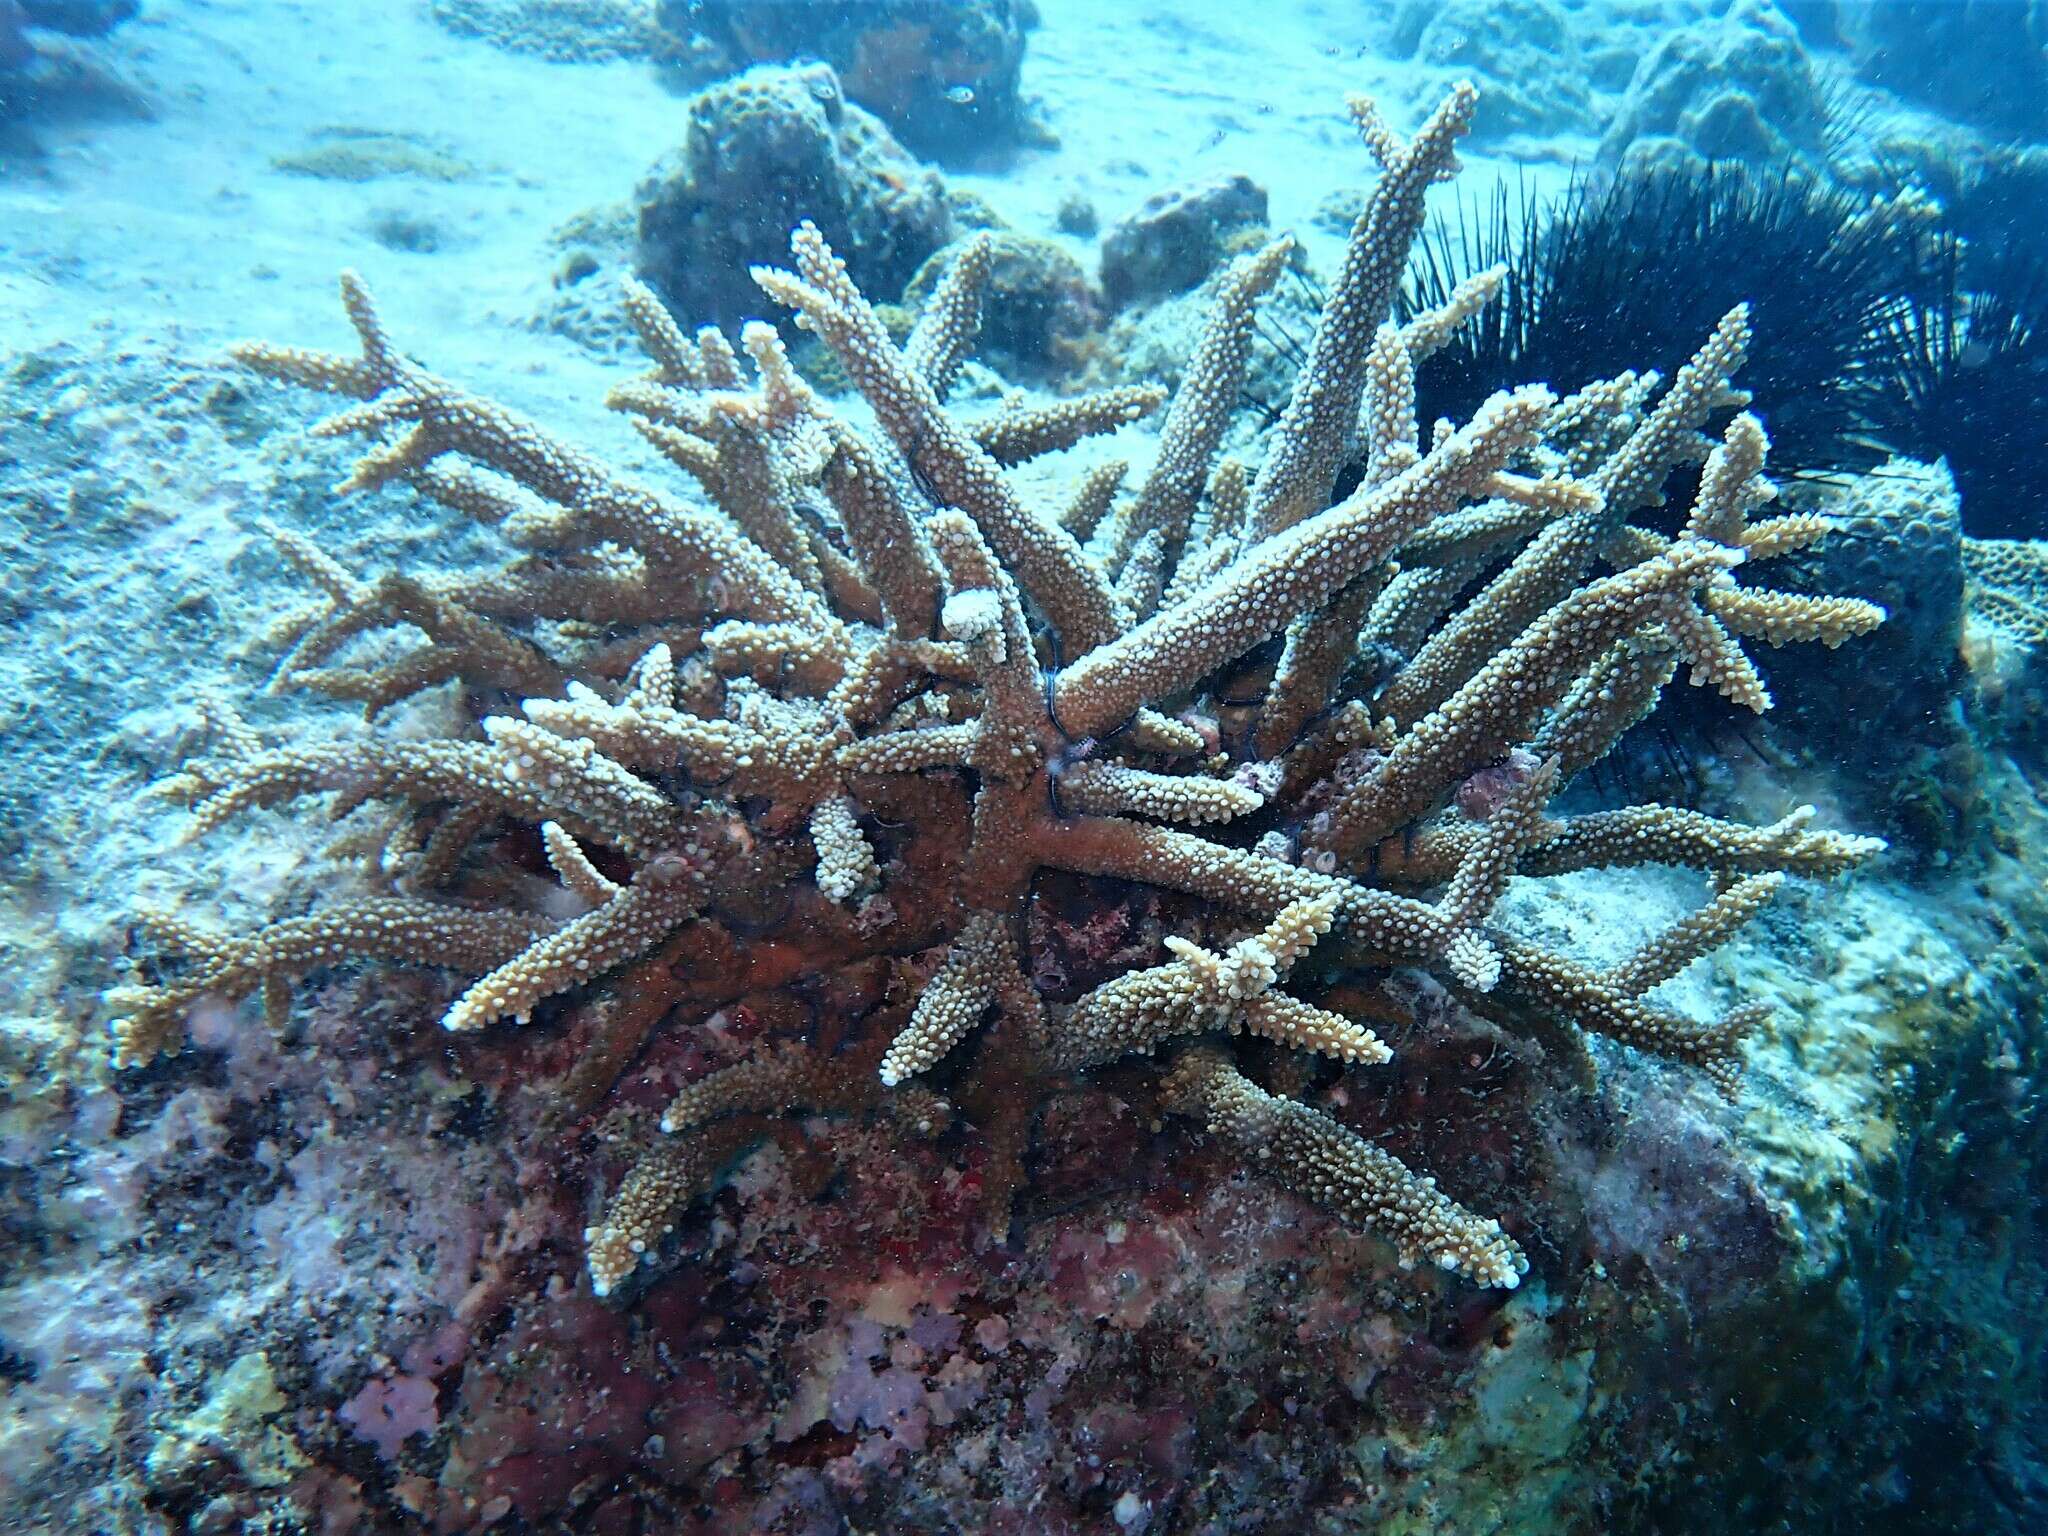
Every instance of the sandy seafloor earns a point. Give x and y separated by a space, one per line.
184 220
140 246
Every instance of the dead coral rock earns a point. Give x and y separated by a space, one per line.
762 153
942 73
1897 539
1038 308
1176 238
1525 54
2006 635
1738 87
562 31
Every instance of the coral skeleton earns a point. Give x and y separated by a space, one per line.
865 685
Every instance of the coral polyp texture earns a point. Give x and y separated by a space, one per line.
1177 794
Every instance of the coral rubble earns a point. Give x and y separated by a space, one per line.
1172 795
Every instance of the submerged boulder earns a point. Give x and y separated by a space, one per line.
1175 239
1736 87
942 73
1037 312
762 153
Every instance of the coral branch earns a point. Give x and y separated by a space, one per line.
1329 1165
859 710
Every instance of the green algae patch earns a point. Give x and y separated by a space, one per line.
235 1421
359 155
1513 1459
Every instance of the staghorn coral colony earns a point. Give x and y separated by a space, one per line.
870 703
